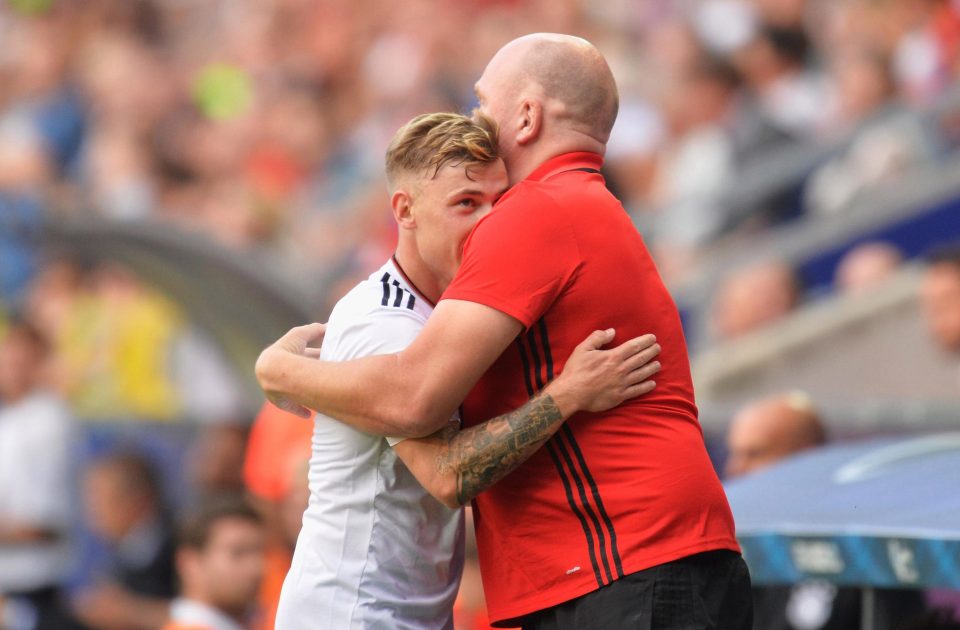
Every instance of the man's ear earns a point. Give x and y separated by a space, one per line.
531 121
402 204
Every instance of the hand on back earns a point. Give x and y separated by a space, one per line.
598 379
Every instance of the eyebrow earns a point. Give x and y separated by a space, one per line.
471 192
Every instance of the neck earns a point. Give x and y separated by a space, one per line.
416 270
197 596
529 158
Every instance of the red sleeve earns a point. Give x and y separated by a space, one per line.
518 259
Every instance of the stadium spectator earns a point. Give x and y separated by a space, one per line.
20 220
775 67
695 165
866 266
717 132
125 508
763 433
889 139
275 475
771 429
220 563
35 485
940 299
276 438
261 129
278 555
754 297
217 459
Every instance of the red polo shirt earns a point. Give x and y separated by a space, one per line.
611 493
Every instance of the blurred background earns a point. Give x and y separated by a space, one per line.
181 181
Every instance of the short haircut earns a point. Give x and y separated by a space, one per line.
136 473
945 255
431 141
195 531
789 43
716 69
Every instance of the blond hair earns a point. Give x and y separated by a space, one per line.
431 141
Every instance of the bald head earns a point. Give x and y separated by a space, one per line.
866 266
771 429
753 297
568 73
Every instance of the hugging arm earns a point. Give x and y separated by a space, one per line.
455 466
412 393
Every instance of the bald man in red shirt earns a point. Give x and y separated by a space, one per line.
620 521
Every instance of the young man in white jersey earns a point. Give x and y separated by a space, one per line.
376 550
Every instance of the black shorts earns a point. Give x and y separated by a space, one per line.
706 591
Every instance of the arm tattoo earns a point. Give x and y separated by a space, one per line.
483 455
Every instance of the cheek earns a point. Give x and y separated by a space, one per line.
452 232
462 232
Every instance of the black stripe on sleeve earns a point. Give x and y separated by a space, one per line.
399 299
526 366
411 302
532 340
386 289
547 356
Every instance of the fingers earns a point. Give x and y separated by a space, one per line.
637 344
643 373
312 353
301 337
309 332
639 389
303 412
642 358
296 409
596 340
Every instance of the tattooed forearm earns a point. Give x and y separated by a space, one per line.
482 455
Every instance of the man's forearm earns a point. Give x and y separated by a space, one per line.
409 394
341 391
483 455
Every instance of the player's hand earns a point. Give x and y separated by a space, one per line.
595 379
300 341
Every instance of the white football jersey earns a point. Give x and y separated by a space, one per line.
376 550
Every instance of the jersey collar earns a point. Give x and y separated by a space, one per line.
410 284
566 162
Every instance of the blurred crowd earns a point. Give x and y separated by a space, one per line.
260 125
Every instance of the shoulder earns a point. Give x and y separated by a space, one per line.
522 202
530 216
376 298
373 318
